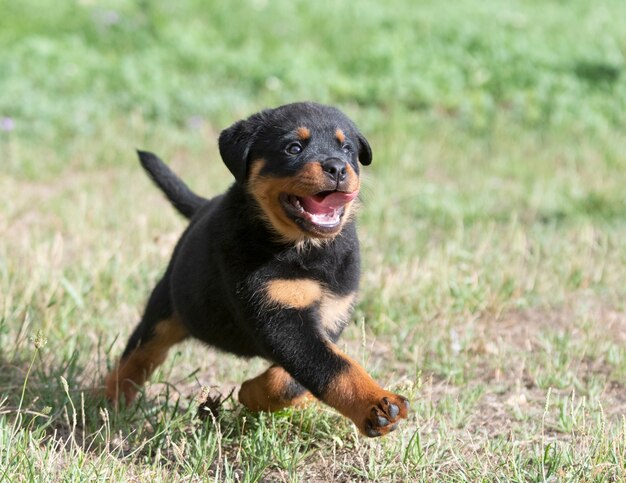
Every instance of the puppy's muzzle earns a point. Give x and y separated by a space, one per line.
335 169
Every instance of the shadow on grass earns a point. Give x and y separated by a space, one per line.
63 405
597 72
58 407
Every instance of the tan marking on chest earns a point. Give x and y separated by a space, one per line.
298 293
335 310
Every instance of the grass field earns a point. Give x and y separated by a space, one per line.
493 233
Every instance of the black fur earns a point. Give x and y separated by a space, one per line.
216 279
267 132
184 200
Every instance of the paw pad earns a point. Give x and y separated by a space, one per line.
384 416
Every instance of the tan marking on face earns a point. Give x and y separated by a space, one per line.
334 311
297 294
268 391
303 133
341 137
353 182
266 190
136 368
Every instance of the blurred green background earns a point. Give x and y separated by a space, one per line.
493 231
67 68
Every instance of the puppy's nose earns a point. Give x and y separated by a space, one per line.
335 168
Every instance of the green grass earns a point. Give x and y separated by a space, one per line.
493 231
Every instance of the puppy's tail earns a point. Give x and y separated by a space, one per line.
179 194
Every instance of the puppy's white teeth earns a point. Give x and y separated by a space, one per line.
297 204
327 219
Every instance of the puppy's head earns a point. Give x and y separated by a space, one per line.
300 164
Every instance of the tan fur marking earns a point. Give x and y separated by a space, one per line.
354 182
341 137
266 392
303 133
136 368
334 311
351 389
266 192
297 294
354 393
309 181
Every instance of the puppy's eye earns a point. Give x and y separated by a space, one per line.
294 148
347 148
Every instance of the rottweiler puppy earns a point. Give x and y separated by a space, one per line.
269 268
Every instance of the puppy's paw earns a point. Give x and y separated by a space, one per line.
119 391
384 415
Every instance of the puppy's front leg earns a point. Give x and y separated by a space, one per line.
296 344
354 393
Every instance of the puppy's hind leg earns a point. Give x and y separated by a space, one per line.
272 390
147 347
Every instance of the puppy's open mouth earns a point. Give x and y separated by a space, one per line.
321 212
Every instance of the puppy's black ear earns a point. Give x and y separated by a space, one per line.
365 152
235 143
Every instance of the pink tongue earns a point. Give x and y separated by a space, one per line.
326 204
